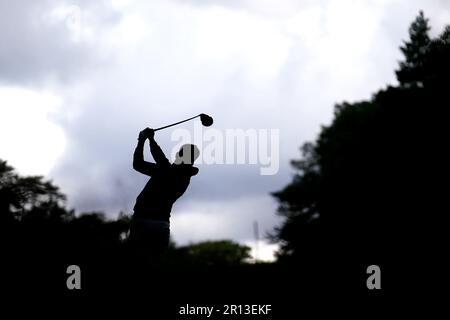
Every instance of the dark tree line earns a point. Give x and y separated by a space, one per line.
37 228
368 188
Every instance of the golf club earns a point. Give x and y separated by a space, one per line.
204 118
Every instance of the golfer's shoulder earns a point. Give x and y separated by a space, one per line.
190 171
194 170
185 169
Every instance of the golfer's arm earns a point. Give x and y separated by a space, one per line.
157 153
139 164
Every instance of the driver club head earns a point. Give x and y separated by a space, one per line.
206 120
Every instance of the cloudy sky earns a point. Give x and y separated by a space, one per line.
79 79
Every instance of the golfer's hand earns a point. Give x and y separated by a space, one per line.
149 133
142 135
146 133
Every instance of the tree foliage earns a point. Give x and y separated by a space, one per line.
361 186
212 253
19 195
411 72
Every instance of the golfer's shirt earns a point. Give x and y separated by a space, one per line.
168 182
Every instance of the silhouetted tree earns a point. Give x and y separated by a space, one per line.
362 189
411 72
19 195
36 226
210 253
437 63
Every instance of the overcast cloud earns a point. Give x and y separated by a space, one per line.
78 81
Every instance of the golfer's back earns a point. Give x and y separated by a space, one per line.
166 185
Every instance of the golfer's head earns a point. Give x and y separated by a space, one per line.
187 155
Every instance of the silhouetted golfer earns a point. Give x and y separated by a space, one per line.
150 226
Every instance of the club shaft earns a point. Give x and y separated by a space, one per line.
174 124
